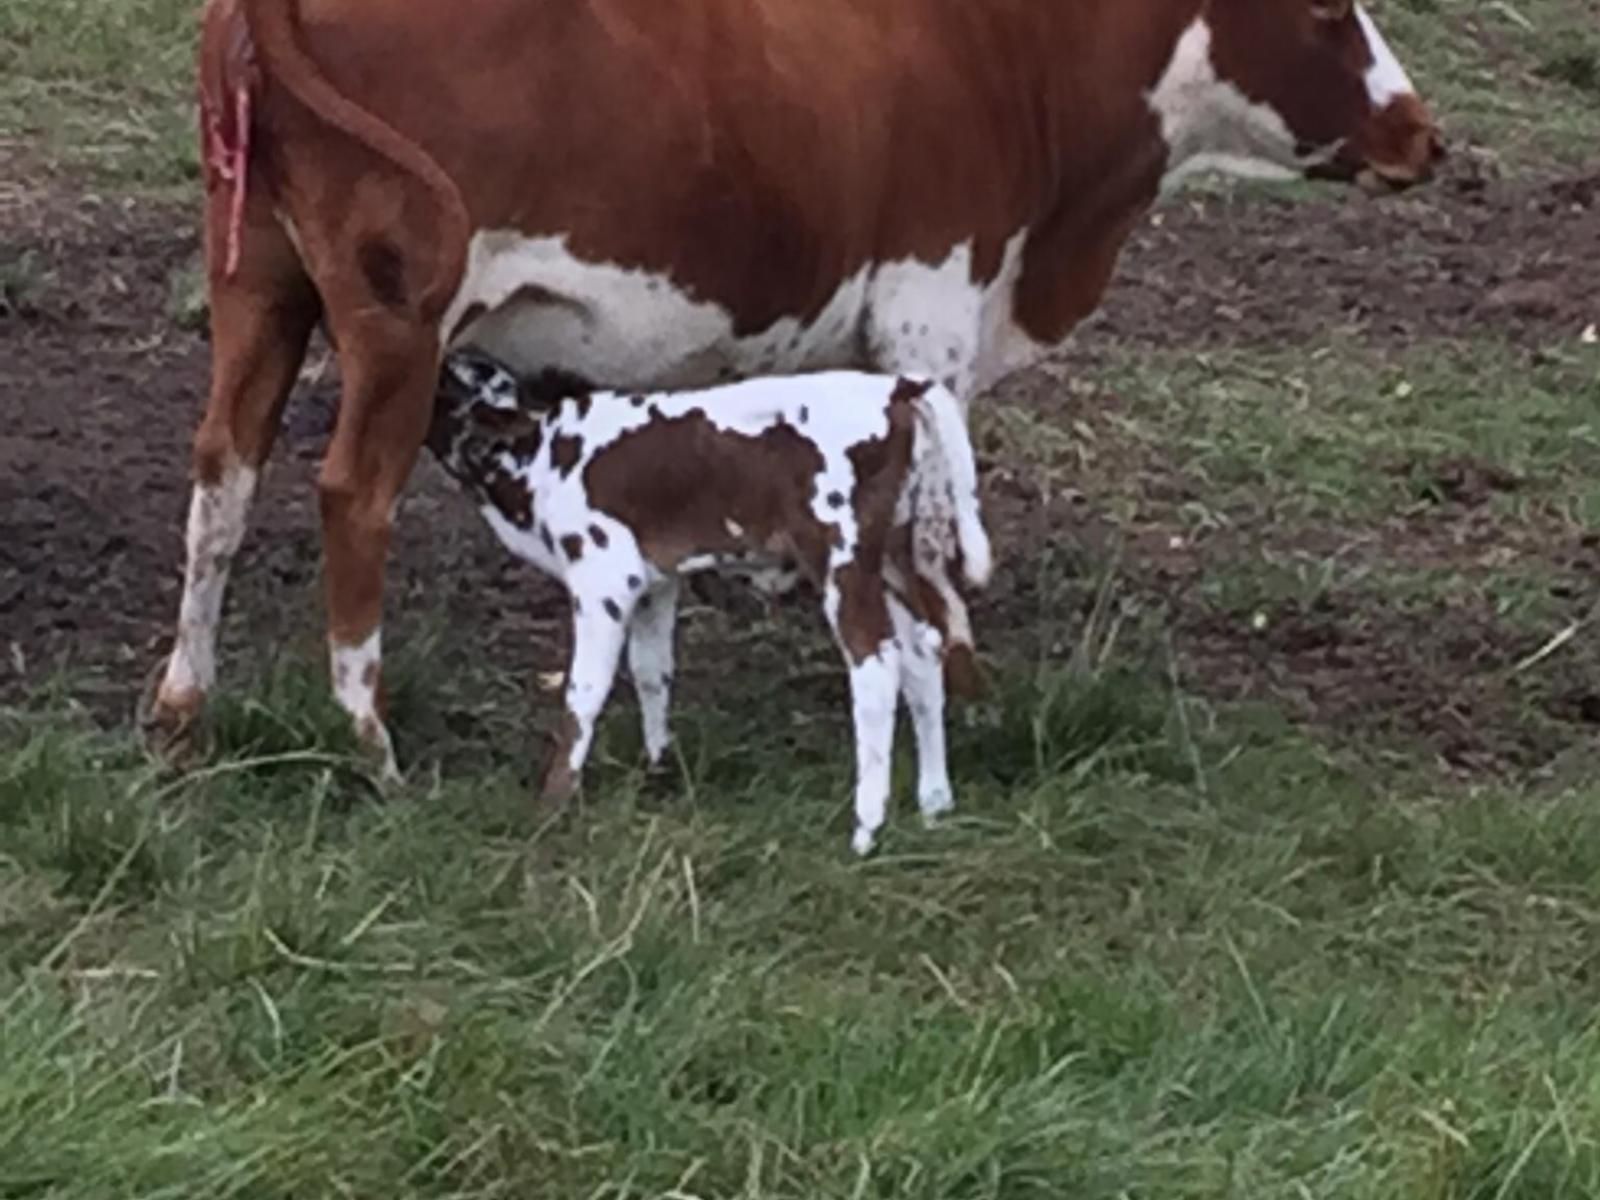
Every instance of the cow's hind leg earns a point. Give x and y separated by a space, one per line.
261 318
390 371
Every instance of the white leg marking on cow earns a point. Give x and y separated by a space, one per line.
597 639
355 670
1387 80
1209 124
650 662
922 685
217 517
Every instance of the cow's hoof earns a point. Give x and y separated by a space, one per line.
169 726
378 750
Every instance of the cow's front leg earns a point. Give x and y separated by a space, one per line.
599 626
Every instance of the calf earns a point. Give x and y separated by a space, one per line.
844 474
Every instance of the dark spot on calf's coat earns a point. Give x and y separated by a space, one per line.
613 609
599 536
634 583
572 547
835 500
544 536
565 450
510 495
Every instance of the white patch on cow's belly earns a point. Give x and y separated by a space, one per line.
1005 347
628 328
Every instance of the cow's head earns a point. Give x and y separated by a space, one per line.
1294 86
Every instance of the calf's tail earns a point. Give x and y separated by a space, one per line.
947 426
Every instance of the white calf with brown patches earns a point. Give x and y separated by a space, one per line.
851 476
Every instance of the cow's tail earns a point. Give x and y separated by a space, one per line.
951 446
274 28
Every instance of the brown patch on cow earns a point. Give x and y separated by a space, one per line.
565 451
572 547
599 536
383 265
613 609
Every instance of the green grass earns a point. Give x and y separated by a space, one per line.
1345 431
106 86
1517 79
1151 957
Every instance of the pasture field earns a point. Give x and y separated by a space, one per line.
1276 869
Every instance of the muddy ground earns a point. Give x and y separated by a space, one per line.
101 388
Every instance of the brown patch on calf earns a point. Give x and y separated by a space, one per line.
572 547
678 482
565 451
509 494
864 623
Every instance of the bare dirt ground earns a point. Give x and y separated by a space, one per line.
101 389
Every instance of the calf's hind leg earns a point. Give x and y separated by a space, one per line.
261 319
922 685
856 606
650 636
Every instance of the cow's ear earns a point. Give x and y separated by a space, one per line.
1332 10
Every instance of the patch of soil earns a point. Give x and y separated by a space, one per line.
101 391
1464 256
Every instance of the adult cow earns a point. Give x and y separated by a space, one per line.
646 194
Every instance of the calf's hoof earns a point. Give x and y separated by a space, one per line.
935 805
863 841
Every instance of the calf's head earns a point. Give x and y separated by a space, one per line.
1295 86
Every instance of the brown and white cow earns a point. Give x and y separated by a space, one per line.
646 194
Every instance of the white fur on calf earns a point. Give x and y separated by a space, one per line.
858 479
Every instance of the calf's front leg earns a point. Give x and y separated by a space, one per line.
598 630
